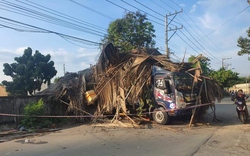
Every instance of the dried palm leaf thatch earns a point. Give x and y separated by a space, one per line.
129 71
71 89
210 93
118 78
132 71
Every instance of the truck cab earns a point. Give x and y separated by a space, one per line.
173 93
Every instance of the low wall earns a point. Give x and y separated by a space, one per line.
15 105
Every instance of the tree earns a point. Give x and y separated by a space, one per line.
131 32
57 79
226 78
204 63
29 72
244 44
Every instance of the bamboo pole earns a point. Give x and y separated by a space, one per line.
196 103
76 108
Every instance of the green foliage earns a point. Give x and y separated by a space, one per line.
56 79
244 79
32 110
226 78
244 44
130 32
29 72
204 63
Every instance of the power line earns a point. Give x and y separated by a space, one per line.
189 32
142 11
228 21
60 14
47 18
42 30
190 45
182 32
200 30
133 13
187 43
167 4
200 44
149 8
159 5
204 41
147 12
93 10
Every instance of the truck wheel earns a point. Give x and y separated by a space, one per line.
160 116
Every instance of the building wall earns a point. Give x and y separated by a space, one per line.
3 91
15 105
244 86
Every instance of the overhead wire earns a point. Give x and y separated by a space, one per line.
149 8
201 40
42 30
209 46
147 12
162 16
132 12
167 5
202 31
67 16
185 29
196 46
189 33
201 45
228 20
9 24
93 10
47 18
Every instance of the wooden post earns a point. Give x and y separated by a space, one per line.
196 103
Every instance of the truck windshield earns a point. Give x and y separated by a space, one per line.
183 81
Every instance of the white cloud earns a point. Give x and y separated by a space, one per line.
81 49
83 52
209 21
193 8
20 50
182 5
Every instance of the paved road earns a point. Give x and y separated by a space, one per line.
159 140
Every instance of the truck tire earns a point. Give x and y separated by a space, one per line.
160 116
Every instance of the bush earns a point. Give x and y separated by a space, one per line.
31 111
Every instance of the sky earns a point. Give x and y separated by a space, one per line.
70 30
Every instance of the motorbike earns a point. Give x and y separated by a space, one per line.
242 111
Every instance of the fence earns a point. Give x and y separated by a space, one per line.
15 105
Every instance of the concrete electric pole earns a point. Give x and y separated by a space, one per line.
170 29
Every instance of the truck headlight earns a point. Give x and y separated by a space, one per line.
180 103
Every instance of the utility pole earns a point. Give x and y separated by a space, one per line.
223 65
170 29
63 69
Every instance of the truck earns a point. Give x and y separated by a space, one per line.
174 94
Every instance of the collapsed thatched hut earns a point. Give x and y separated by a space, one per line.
120 80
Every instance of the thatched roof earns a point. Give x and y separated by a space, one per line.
119 78
69 89
129 74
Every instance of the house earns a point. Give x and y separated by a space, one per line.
244 86
3 91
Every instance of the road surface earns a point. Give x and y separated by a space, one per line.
229 137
